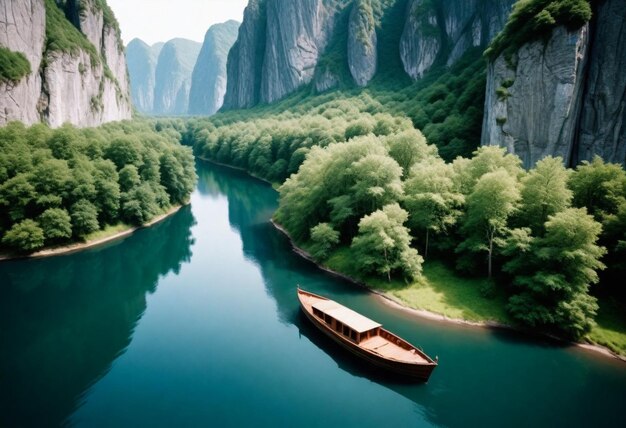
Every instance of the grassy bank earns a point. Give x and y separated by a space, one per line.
441 291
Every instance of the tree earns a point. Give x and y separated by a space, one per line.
599 186
84 218
408 148
383 244
376 183
486 159
553 274
544 192
56 224
323 238
25 236
431 199
494 198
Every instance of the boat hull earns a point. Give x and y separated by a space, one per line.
412 371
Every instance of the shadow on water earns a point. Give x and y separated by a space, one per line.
64 320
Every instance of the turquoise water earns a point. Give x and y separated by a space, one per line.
195 322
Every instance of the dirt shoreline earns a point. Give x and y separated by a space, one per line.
422 313
79 246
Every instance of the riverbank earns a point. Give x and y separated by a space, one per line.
490 318
98 238
275 186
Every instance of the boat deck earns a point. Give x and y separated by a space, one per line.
384 347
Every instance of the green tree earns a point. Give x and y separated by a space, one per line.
431 199
485 160
56 224
544 192
494 198
25 236
84 218
553 274
599 186
323 239
383 244
129 178
408 148
376 182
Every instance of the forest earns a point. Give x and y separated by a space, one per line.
362 184
60 186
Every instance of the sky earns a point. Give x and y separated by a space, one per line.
161 20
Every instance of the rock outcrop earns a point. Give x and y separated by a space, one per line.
532 106
362 43
441 32
245 59
565 96
142 60
602 128
173 76
22 29
80 79
208 82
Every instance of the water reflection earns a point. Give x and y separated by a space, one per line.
64 320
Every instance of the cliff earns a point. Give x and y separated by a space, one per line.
441 32
173 76
77 68
563 94
142 60
208 81
284 45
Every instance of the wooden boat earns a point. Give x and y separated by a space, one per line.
366 338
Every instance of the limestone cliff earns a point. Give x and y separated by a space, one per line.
442 31
142 61
602 128
208 82
362 43
564 95
77 62
173 76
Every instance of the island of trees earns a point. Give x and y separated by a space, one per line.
61 186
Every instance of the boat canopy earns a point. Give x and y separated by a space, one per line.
348 317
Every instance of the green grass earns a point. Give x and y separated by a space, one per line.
440 290
610 330
13 65
108 231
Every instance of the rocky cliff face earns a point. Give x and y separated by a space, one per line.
80 78
22 29
564 97
362 43
173 76
245 59
208 82
438 31
142 61
602 128
532 107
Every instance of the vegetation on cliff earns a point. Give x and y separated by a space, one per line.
533 20
58 186
13 65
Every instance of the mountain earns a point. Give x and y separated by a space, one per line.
142 60
284 45
175 65
562 93
61 62
208 82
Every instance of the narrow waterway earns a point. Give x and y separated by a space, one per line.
195 322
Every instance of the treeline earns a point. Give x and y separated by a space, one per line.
59 186
544 233
271 140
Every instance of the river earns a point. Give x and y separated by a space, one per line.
195 322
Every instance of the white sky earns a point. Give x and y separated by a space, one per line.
161 20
